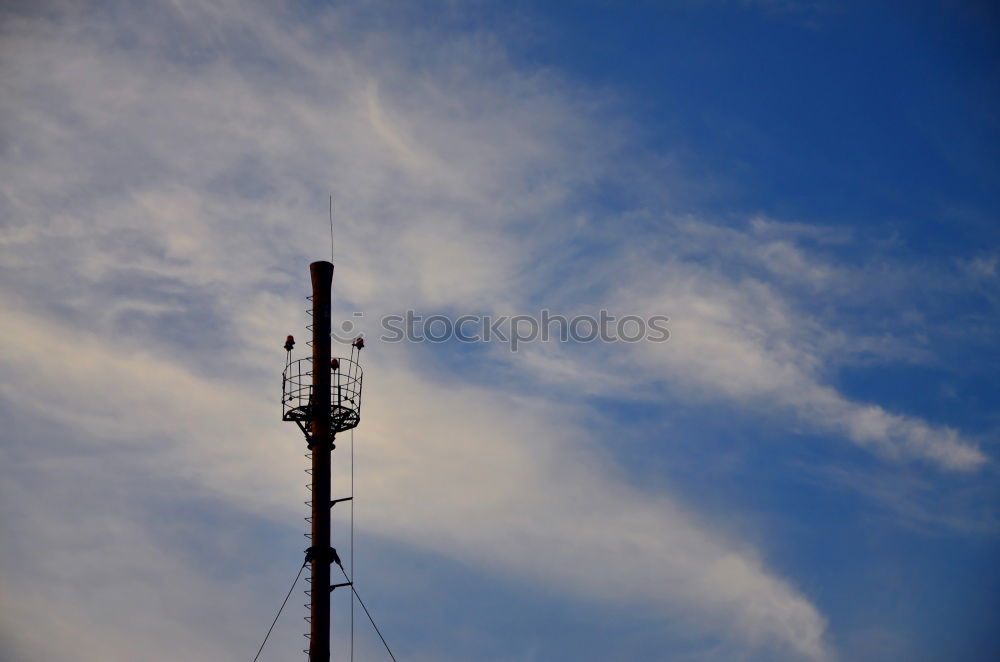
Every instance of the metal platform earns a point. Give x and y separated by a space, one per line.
345 394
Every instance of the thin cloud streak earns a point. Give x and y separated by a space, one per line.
192 158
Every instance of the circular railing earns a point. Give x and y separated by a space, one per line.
345 393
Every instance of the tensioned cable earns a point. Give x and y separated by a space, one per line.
354 591
283 603
351 578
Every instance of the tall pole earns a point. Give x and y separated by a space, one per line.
322 445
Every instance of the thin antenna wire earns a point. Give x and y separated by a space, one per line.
331 227
351 579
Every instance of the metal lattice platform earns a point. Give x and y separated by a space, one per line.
345 394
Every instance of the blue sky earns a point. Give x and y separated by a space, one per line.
805 471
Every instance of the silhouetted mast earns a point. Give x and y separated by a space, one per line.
322 395
322 445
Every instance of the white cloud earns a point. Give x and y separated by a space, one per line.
164 188
478 474
742 342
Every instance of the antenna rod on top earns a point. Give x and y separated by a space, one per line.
331 228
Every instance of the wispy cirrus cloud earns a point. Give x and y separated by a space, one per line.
160 188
